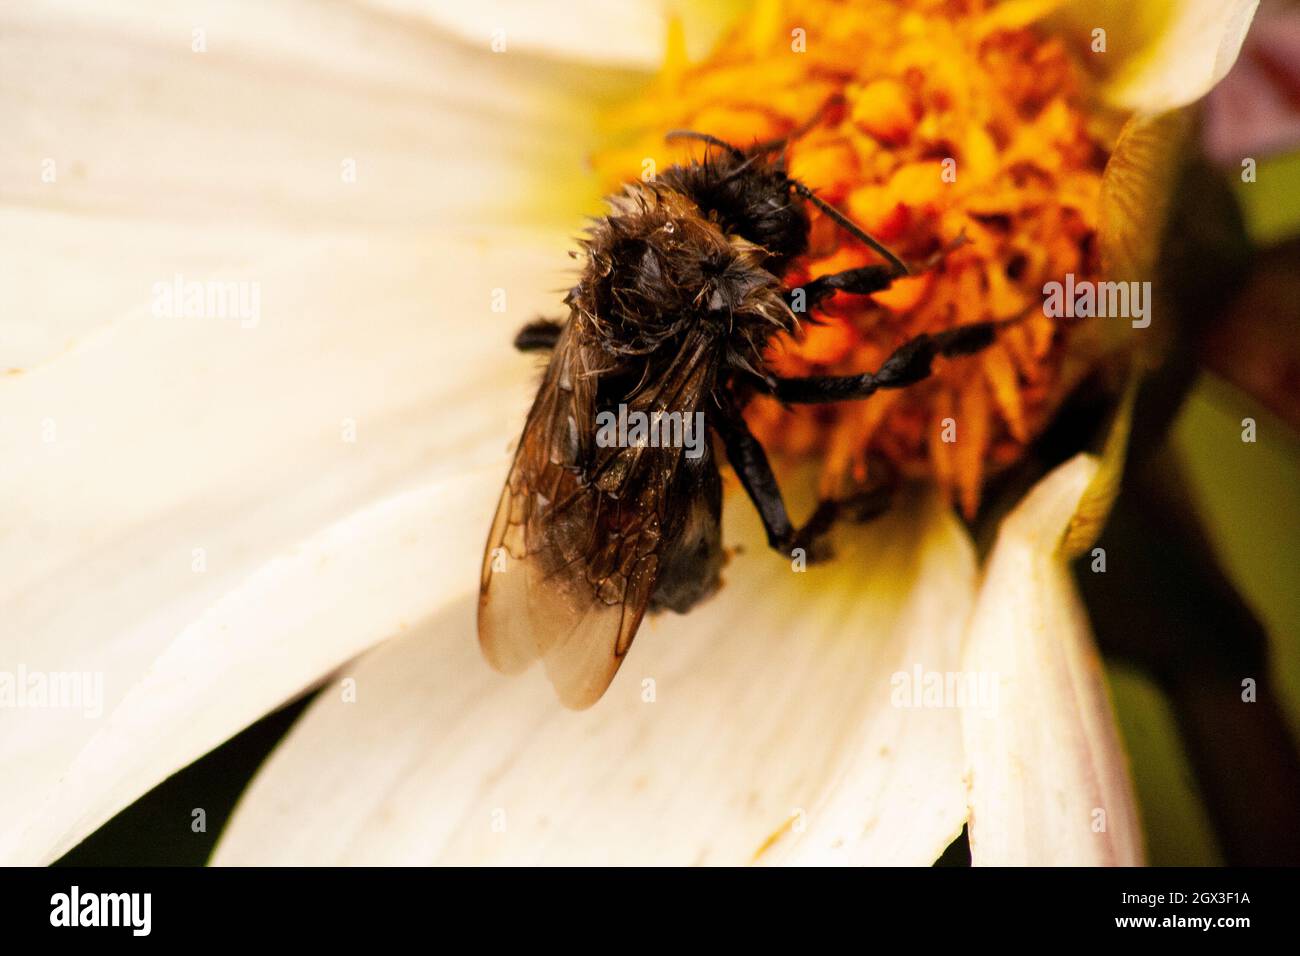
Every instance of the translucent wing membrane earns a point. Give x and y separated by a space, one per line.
583 532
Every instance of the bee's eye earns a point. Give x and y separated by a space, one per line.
669 227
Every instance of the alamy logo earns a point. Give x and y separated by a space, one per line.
103 909
56 690
210 299
636 429
1084 299
941 690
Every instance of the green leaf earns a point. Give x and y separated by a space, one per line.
1272 202
1178 832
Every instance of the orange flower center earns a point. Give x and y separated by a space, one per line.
932 120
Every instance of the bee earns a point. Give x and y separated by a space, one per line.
679 294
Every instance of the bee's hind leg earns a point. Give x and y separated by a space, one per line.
748 458
539 335
859 508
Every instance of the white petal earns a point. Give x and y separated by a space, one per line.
771 734
155 466
275 634
628 33
1047 774
1160 54
129 158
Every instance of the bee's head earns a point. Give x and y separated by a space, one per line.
748 195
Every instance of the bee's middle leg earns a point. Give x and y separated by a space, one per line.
539 335
910 363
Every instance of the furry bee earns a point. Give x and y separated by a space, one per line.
680 292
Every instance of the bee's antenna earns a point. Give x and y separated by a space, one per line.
761 148
739 170
781 142
844 222
746 160
735 151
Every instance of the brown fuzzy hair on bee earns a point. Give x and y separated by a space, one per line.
658 266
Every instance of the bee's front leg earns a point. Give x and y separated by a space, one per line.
863 280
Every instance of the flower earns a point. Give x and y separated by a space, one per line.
926 122
220 510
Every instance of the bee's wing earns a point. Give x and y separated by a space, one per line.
576 546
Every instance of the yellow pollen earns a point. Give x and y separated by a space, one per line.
933 117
